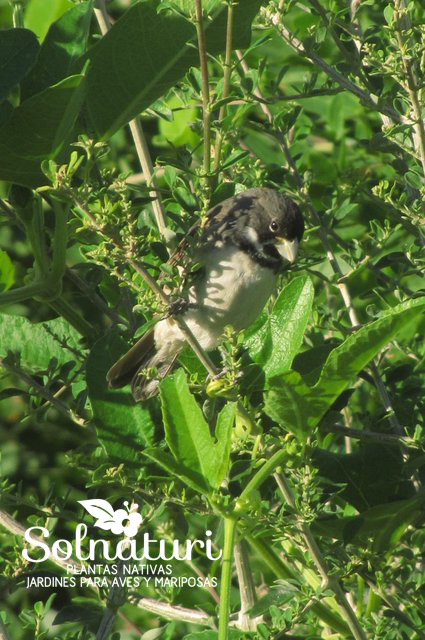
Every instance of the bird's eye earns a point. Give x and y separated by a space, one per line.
274 226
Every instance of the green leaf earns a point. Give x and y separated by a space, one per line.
381 522
123 427
65 42
188 435
37 130
234 158
279 594
38 343
178 131
275 344
391 532
188 476
18 52
39 14
389 13
7 272
223 434
88 614
298 407
145 53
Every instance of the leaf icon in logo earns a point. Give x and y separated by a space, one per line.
102 510
109 519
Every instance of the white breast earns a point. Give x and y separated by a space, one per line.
233 292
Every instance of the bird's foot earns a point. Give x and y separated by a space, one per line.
179 306
222 374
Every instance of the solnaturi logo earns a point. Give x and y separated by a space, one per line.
121 522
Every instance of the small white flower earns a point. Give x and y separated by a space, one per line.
133 520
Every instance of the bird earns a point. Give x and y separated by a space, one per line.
241 248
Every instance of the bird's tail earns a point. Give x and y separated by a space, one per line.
131 366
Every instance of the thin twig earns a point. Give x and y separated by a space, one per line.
419 127
205 87
388 438
226 82
314 93
367 99
143 154
392 603
139 139
25 420
42 391
348 55
7 522
169 612
320 562
246 587
94 298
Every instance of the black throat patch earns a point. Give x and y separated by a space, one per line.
265 255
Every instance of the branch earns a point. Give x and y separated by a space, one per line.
205 86
139 139
370 101
419 127
388 438
169 612
7 522
226 82
320 562
246 587
42 391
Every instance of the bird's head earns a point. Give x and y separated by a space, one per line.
274 221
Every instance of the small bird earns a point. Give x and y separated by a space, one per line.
241 249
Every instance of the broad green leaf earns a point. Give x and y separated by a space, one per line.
18 52
381 523
298 407
40 14
123 427
188 435
187 476
145 53
290 403
275 344
65 42
88 614
37 130
391 532
7 272
37 343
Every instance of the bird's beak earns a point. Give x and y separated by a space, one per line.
288 249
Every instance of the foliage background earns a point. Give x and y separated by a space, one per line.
327 105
